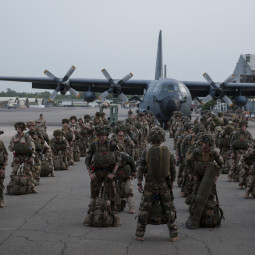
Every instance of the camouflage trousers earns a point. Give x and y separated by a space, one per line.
83 146
1 188
150 189
234 169
108 191
21 165
243 174
127 193
76 151
224 152
69 155
250 187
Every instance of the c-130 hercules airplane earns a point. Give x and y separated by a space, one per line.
162 95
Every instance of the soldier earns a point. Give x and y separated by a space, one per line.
224 145
158 164
124 179
239 144
3 164
42 128
39 146
76 130
102 165
103 119
88 125
181 157
59 146
97 120
126 145
206 173
23 159
68 133
248 170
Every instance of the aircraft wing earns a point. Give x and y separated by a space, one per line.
131 87
201 89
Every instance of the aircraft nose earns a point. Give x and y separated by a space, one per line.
169 105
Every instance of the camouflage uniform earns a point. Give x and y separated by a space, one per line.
248 171
224 145
196 159
156 185
124 177
101 162
23 158
42 128
97 120
75 128
239 144
68 133
88 124
3 164
59 146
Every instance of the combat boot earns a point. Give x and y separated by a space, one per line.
52 174
229 179
246 195
1 203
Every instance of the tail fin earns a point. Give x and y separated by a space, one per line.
159 62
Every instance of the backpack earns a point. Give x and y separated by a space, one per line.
212 214
99 214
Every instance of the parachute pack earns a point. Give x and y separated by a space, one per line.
100 215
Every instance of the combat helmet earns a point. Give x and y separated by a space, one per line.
199 128
187 126
87 116
228 129
57 132
73 118
65 121
102 129
243 123
138 125
120 126
30 123
156 135
206 138
20 125
98 114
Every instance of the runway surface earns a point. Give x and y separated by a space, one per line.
50 222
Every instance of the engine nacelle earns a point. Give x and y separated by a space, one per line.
89 96
240 101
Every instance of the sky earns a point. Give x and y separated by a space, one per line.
121 35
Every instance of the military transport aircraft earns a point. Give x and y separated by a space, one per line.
162 95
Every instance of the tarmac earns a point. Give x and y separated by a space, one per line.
50 222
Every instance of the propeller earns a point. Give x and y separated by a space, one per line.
115 88
216 91
63 85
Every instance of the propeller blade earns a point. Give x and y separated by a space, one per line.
227 81
126 78
206 99
74 92
53 95
50 75
209 79
69 73
108 77
103 95
227 100
124 98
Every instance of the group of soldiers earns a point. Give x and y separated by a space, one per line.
228 136
117 154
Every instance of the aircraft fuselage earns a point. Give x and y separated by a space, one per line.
165 96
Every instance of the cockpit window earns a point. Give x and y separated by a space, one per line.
183 90
167 88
